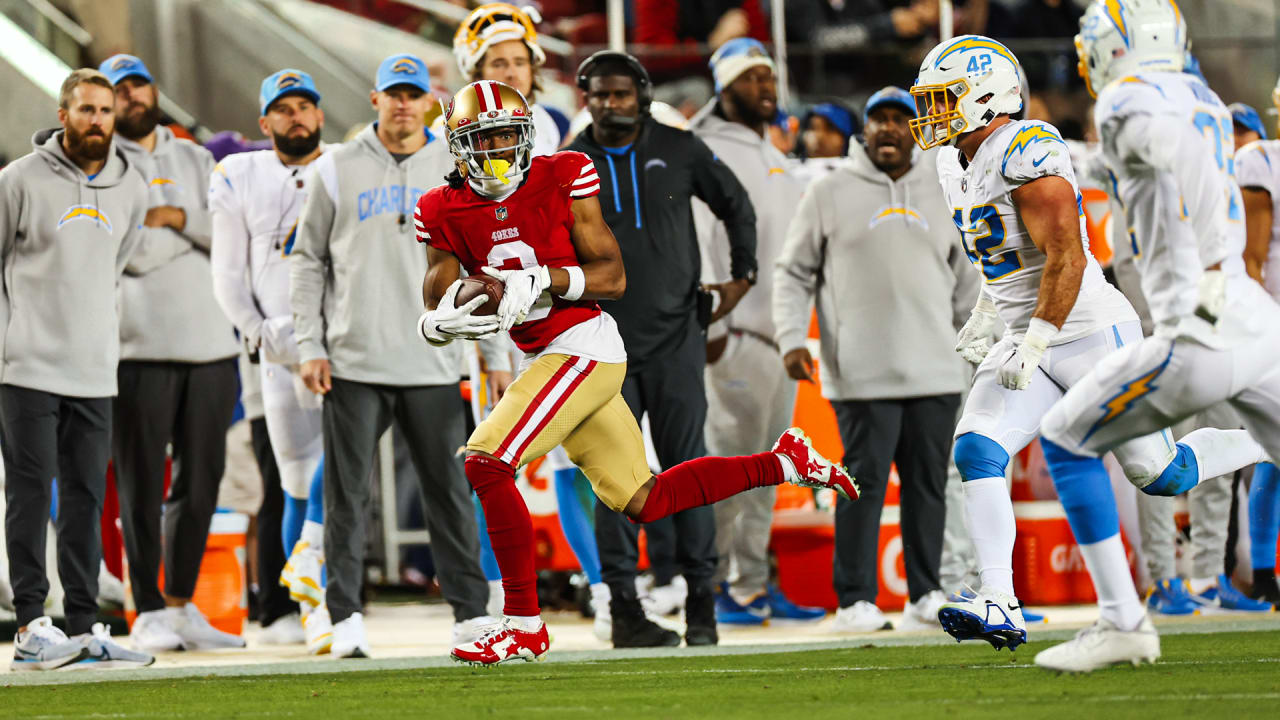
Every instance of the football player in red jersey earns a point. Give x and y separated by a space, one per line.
535 224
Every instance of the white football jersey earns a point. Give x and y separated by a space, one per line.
267 196
1168 145
996 241
1258 166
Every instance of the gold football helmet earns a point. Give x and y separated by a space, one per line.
482 106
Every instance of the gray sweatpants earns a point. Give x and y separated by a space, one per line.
750 401
432 419
1209 505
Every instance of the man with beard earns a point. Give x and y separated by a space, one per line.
177 375
69 214
750 399
649 174
355 277
256 198
873 242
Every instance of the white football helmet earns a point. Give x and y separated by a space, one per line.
964 84
1119 38
491 24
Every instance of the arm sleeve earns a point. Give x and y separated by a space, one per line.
199 227
796 273
308 269
1253 169
229 257
715 184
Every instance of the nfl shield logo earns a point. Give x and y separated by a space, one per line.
501 212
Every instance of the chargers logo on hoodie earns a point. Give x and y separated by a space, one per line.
85 212
902 213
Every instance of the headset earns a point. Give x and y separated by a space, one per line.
644 86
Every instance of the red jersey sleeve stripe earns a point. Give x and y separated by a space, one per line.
585 192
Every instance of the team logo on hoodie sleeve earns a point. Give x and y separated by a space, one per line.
85 212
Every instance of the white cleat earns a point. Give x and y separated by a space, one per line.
301 574
812 469
197 634
153 632
349 638
284 630
469 631
1101 645
860 617
602 623
923 613
666 599
317 630
989 615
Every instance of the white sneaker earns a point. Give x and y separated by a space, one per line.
349 639
318 630
284 630
301 574
861 616
1102 644
44 647
666 599
989 615
602 625
197 634
497 599
110 589
923 613
470 630
103 653
153 632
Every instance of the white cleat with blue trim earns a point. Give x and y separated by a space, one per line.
1101 645
989 615
103 653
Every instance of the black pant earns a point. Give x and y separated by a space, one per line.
43 435
273 598
189 405
672 392
916 434
355 416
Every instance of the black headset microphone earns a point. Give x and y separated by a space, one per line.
644 85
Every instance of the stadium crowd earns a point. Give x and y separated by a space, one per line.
173 310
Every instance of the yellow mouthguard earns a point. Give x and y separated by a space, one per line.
498 168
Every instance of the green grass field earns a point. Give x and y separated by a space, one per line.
1226 675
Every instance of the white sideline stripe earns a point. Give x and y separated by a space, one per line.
584 192
548 402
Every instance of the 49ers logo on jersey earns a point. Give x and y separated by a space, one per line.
505 234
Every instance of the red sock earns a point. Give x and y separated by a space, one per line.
510 531
708 480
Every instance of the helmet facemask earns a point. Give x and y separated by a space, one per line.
494 171
938 118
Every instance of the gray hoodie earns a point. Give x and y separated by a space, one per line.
64 240
884 260
775 192
356 269
167 308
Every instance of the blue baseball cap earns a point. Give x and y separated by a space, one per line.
1248 118
736 57
286 82
402 69
889 95
119 67
839 117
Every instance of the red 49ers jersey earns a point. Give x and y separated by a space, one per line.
529 228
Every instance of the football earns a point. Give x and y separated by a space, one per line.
475 285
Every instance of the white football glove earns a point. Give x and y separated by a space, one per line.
1021 363
447 322
974 341
521 289
278 342
1212 293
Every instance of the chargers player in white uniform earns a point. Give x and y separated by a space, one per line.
255 199
1258 174
1167 143
1018 208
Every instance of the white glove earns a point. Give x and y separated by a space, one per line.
974 341
278 342
521 289
447 322
1021 363
1212 296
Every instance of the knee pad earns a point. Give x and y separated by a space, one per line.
978 456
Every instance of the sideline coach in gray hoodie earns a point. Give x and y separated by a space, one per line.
874 241
355 284
177 371
69 214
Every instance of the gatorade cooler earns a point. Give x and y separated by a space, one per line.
222 593
804 543
1048 568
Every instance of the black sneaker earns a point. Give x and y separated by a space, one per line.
1265 586
700 616
631 629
